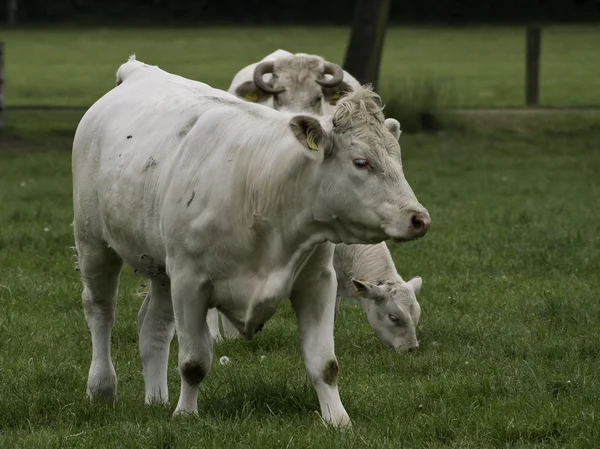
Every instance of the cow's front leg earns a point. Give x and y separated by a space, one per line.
156 328
314 304
191 295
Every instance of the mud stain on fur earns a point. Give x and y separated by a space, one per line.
187 127
193 372
154 269
191 199
150 164
330 372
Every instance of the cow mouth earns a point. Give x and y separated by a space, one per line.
405 239
351 232
401 235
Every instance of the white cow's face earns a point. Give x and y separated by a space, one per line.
304 96
293 85
364 197
393 311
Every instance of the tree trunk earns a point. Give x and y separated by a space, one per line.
12 12
363 55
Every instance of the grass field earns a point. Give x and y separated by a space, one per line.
510 342
472 66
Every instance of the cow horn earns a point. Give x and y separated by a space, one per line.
336 71
261 69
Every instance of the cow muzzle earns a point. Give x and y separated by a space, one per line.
420 223
414 226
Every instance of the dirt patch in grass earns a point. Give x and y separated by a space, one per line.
525 120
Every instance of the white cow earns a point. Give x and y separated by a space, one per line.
226 204
293 82
368 273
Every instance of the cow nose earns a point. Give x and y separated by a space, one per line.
420 223
413 349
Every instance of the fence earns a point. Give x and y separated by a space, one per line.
532 72
2 120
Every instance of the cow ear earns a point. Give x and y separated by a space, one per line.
365 289
393 126
249 92
415 283
333 94
309 133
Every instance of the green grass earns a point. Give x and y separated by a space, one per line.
510 343
484 65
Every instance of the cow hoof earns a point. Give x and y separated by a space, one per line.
185 414
102 394
341 423
157 401
344 423
102 384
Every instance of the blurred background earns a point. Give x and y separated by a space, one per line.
426 55
499 102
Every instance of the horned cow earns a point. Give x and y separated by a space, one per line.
294 82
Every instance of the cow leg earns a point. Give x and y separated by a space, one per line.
190 303
100 267
338 300
212 318
229 330
314 304
156 328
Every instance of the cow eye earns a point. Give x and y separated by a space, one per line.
361 163
393 318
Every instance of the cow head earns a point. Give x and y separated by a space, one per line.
393 311
299 83
364 196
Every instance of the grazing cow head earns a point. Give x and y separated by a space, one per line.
298 83
393 311
364 196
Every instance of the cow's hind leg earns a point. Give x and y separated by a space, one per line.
191 296
314 304
100 267
156 328
229 330
212 319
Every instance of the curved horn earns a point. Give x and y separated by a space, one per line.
336 71
261 69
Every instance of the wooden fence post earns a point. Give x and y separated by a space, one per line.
2 119
363 54
532 65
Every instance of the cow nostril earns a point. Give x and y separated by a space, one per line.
413 349
417 222
420 222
